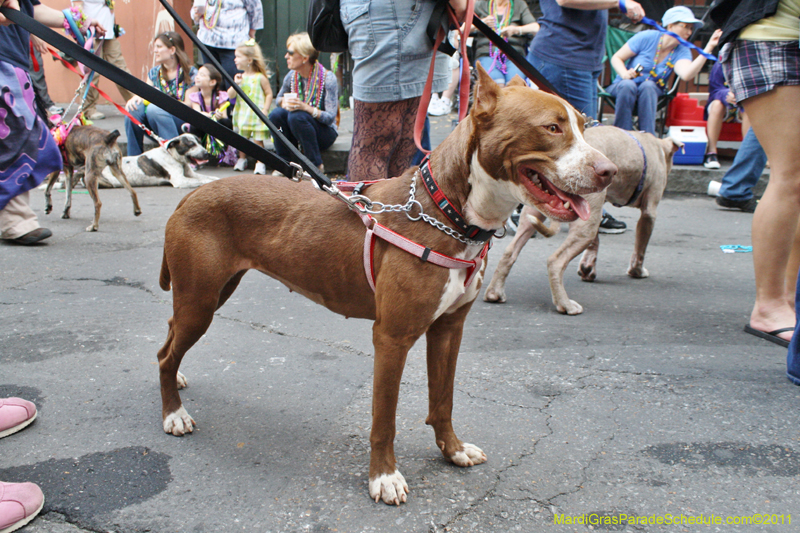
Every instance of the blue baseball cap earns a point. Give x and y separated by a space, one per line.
680 14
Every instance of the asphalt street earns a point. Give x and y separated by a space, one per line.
652 403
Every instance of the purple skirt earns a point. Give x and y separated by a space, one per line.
28 153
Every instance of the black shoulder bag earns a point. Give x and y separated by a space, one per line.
325 26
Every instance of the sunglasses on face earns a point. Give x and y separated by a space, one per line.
290 52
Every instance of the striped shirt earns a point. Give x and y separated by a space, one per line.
233 23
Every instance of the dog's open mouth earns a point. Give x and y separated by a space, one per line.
198 162
563 205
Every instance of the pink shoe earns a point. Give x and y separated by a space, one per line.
15 414
19 504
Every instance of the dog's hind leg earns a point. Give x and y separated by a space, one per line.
68 181
193 311
443 343
90 178
496 291
644 229
48 201
116 169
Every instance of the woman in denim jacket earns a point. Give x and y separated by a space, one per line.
392 55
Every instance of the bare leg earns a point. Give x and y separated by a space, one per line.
792 269
716 114
775 118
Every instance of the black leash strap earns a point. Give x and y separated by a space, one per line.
320 178
149 93
515 57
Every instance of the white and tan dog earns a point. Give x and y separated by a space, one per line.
517 145
165 165
644 163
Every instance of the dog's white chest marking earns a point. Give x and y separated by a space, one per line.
491 200
454 294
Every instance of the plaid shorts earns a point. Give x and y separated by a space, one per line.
756 67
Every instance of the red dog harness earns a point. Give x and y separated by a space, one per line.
376 229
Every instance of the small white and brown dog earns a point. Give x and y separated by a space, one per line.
170 164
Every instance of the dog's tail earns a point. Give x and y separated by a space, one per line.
111 138
165 280
544 230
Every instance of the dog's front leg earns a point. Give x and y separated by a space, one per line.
496 291
644 229
444 342
391 348
579 238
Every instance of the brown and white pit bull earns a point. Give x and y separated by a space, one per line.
644 162
517 145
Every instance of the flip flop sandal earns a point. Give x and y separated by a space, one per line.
771 336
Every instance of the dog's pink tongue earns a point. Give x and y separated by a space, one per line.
578 203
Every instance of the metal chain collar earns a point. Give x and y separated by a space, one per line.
363 204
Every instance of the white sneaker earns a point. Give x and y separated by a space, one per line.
240 165
433 106
447 104
438 108
261 168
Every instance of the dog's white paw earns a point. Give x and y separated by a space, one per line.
572 308
493 295
182 381
638 273
178 423
470 456
391 488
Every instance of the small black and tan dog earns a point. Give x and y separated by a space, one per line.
90 150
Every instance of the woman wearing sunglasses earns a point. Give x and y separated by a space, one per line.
307 103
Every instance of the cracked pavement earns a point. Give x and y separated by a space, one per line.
651 402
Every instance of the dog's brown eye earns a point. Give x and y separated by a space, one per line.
553 128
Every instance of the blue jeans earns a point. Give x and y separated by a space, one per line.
225 58
425 141
747 167
793 357
628 93
579 87
162 123
300 127
497 74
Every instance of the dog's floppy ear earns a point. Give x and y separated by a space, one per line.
516 81
486 93
111 138
173 143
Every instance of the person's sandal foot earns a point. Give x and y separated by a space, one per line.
32 237
771 336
